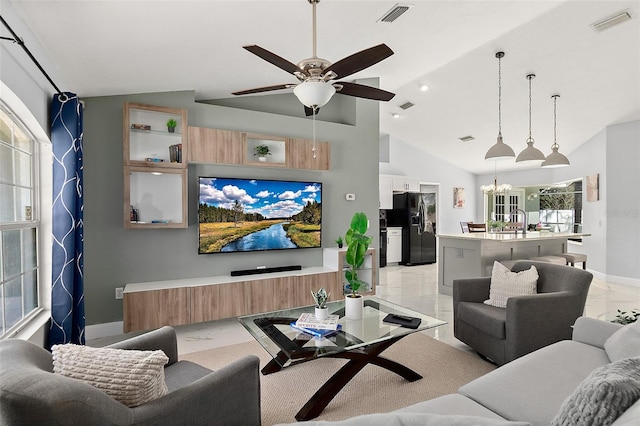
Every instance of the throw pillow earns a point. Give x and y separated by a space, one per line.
624 343
603 396
129 376
506 284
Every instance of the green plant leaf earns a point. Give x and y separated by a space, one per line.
359 222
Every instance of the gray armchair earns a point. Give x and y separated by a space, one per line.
30 393
528 322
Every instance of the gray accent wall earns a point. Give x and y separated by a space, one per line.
115 256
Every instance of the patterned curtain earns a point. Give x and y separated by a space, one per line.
67 291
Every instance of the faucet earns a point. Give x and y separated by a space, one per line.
524 225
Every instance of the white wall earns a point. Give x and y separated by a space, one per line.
622 189
407 160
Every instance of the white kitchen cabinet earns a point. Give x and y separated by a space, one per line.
385 193
405 184
394 245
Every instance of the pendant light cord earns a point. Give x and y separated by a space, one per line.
555 143
530 78
499 94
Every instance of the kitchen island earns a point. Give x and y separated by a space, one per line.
472 255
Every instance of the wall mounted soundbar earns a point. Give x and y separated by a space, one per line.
266 270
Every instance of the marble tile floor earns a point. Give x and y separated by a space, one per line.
412 286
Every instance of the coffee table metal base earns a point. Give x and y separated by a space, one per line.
358 359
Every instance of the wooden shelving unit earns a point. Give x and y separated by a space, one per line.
155 167
217 146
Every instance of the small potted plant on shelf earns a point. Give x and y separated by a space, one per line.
321 297
171 125
339 241
357 246
262 151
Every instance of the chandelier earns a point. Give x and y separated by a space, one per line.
494 188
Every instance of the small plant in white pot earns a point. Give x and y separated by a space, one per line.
357 246
321 297
262 151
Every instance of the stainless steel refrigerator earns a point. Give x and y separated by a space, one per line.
415 213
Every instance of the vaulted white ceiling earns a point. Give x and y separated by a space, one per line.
118 47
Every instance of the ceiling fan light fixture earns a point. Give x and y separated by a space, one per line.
314 94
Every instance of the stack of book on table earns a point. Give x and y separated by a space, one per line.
309 324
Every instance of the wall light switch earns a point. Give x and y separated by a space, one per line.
350 197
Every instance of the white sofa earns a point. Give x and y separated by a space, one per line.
532 389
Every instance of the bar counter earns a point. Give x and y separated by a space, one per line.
472 254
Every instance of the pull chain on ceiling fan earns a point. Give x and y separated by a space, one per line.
316 75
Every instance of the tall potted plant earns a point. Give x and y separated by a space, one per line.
357 246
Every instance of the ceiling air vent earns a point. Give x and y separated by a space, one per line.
610 21
395 12
466 138
406 105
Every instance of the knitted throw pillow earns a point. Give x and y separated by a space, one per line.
129 376
603 396
506 284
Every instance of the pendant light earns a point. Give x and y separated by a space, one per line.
555 159
500 151
530 153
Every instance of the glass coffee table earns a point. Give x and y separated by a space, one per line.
361 342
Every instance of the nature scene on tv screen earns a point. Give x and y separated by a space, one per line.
251 214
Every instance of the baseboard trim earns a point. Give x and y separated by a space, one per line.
614 279
106 329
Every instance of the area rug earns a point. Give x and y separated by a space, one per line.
372 390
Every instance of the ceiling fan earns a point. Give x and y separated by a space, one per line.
317 75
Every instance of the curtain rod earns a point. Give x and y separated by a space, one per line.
20 42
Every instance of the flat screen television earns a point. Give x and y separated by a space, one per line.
244 215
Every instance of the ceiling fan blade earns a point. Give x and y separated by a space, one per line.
276 60
359 61
264 89
362 91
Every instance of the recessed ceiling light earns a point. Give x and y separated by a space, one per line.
424 87
395 115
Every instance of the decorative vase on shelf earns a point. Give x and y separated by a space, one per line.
321 313
353 306
262 159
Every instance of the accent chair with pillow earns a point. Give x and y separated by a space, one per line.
124 384
536 313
